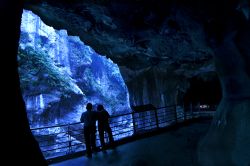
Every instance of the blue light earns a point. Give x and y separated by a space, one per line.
59 74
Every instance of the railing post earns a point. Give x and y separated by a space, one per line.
133 120
156 118
69 138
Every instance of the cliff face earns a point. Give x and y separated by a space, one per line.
59 74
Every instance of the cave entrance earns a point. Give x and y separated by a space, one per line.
60 74
204 90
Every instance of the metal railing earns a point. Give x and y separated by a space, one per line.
61 140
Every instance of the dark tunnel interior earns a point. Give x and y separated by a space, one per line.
203 91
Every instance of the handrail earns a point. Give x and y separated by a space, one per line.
62 125
70 136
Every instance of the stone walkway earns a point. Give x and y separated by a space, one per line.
173 148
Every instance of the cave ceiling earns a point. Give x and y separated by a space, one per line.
169 36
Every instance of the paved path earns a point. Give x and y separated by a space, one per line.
173 148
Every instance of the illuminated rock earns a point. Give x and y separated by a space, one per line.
60 74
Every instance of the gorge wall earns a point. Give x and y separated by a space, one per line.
59 74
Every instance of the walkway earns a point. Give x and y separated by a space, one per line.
173 148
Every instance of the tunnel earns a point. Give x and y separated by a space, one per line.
203 91
208 36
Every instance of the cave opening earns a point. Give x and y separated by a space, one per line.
203 90
59 74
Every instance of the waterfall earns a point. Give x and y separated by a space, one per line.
41 103
63 51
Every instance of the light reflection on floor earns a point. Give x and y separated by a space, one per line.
173 148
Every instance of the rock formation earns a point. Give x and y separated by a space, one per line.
152 41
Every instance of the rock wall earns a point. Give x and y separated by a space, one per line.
154 86
227 142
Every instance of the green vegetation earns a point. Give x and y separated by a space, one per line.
36 69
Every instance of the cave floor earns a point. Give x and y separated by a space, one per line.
173 148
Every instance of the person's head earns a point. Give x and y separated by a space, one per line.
89 106
100 107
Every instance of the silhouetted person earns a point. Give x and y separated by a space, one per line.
89 119
103 126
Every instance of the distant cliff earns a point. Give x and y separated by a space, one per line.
59 74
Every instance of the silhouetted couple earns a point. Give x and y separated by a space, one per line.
89 119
